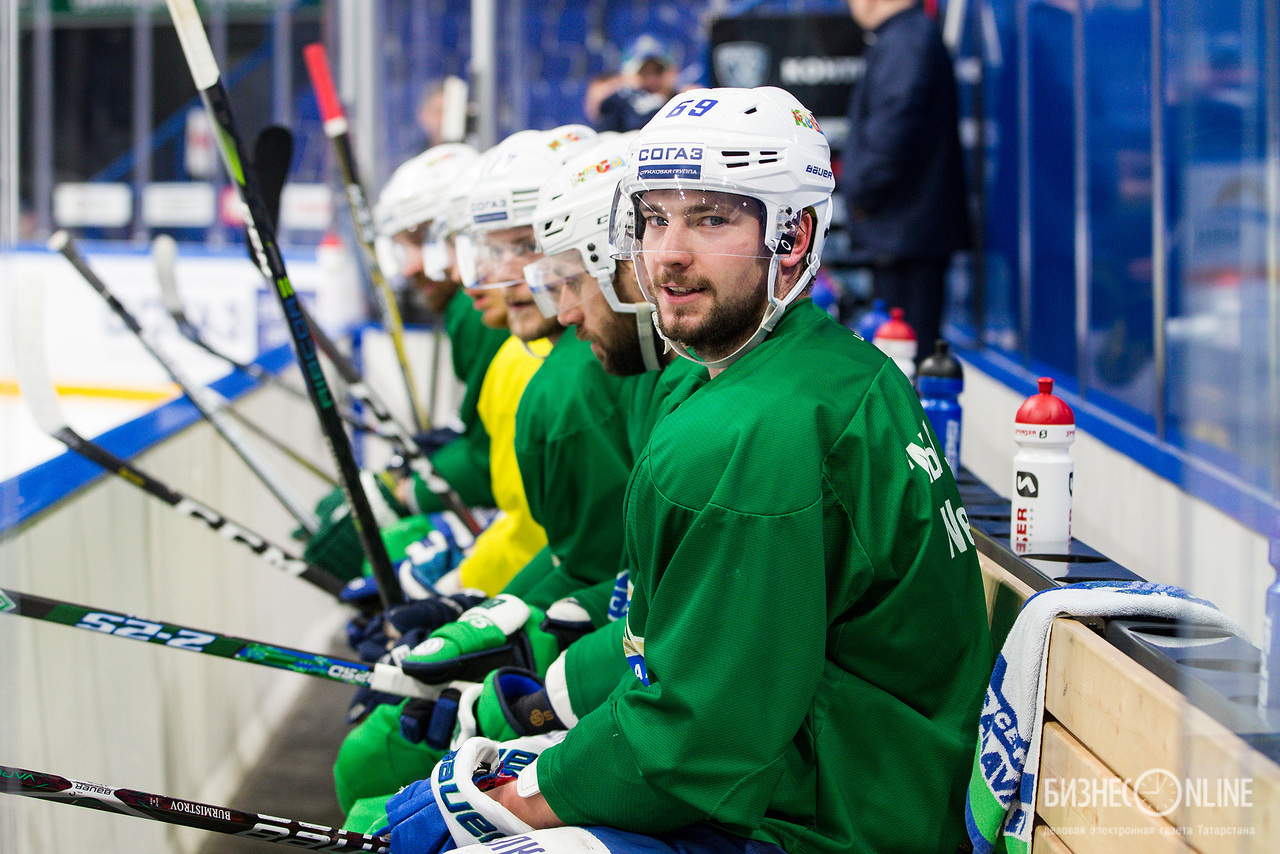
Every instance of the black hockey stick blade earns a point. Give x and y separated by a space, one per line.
272 156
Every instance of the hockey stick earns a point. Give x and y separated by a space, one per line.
336 128
380 677
208 402
386 426
164 252
269 828
261 233
280 446
402 442
42 398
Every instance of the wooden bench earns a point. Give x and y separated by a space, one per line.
1111 725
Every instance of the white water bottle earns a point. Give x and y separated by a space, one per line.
1044 429
897 340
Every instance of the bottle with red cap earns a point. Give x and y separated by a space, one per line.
897 340
1044 429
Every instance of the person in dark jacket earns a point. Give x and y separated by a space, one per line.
903 174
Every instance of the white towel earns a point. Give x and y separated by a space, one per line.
1002 786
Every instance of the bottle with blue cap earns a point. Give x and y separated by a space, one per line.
872 319
1269 684
939 383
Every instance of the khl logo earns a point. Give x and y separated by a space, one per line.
1027 485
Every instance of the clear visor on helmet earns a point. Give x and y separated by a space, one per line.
664 230
390 256
435 259
495 259
393 252
560 282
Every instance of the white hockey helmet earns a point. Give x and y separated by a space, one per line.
761 144
571 223
513 172
417 193
505 192
418 190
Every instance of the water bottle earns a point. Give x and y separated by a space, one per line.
1269 683
897 340
1044 429
872 319
939 382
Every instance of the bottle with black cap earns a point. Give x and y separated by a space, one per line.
939 383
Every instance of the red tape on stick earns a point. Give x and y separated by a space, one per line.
322 79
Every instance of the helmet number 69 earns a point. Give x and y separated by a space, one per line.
697 109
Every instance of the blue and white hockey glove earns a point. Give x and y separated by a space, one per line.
415 823
434 556
500 632
452 804
509 704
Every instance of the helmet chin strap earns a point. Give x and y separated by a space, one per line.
648 332
771 317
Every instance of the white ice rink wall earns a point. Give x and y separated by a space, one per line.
133 715
128 714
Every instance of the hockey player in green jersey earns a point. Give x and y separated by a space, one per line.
582 421
807 636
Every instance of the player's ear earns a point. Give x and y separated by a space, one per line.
800 241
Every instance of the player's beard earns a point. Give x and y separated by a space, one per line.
726 324
619 345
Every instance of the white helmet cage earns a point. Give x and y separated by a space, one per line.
760 143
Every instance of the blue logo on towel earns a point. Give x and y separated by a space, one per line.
1001 751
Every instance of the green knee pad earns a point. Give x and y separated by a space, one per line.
376 759
368 815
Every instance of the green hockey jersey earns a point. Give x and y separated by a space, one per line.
807 634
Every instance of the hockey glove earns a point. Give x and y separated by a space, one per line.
388 636
500 632
415 823
454 799
335 545
407 625
511 703
438 553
